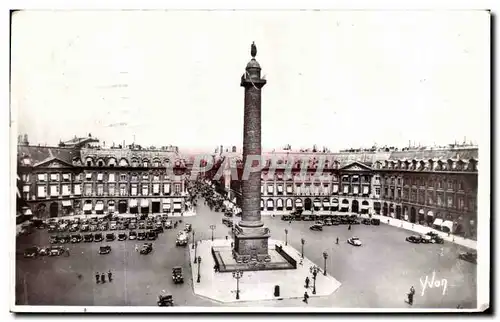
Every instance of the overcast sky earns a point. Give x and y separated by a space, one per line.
336 78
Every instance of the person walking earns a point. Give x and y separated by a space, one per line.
410 295
110 276
337 240
97 277
136 248
103 278
306 296
349 228
307 282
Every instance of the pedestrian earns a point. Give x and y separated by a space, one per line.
110 276
103 278
226 237
67 251
410 295
307 282
349 228
301 261
337 240
97 277
136 248
306 296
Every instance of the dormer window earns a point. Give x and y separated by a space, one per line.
26 161
112 162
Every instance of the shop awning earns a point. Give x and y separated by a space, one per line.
279 203
430 213
421 212
177 206
144 203
87 207
438 222
326 203
335 201
132 203
66 203
99 206
448 224
317 204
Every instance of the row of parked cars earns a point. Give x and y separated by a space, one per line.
35 251
103 225
99 237
428 238
341 220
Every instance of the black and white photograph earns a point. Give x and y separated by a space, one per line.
250 160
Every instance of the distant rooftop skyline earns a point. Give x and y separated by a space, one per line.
338 79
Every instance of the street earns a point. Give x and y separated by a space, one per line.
376 275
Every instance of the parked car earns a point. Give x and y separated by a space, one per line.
132 235
151 235
375 221
73 228
110 237
53 239
182 239
87 238
132 226
56 251
31 252
142 225
64 239
168 224
158 230
141 235
103 250
149 225
122 236
426 239
316 227
98 237
188 228
435 238
354 241
469 257
43 251
76 238
93 228
366 222
113 225
320 223
416 239
328 222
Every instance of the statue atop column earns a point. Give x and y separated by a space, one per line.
253 50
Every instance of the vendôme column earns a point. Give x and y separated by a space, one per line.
251 237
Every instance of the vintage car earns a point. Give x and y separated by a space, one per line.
43 251
149 225
327 222
188 228
132 226
142 225
366 222
182 239
435 238
98 237
354 241
87 238
132 235
177 276
165 300
151 235
320 223
110 237
76 238
146 248
74 228
375 221
316 227
53 239
425 239
469 257
56 251
286 218
141 235
31 252
103 226
416 239
113 225
227 222
168 224
103 250
64 239
84 228
52 228
122 236
62 227
93 228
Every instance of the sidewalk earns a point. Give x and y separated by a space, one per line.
423 230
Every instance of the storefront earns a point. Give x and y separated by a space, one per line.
99 207
429 218
365 206
326 204
144 206
298 204
177 205
167 206
155 206
133 206
111 207
334 205
66 207
344 207
317 204
87 207
122 206
289 204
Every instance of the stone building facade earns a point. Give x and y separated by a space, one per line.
59 181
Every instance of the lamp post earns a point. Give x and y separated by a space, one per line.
302 241
194 242
212 227
314 271
195 252
199 262
325 256
237 275
286 237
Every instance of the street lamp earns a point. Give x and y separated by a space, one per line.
199 262
212 227
325 256
286 237
302 241
193 240
314 270
237 275
195 251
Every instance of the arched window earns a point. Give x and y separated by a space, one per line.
112 162
100 163
123 163
89 162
